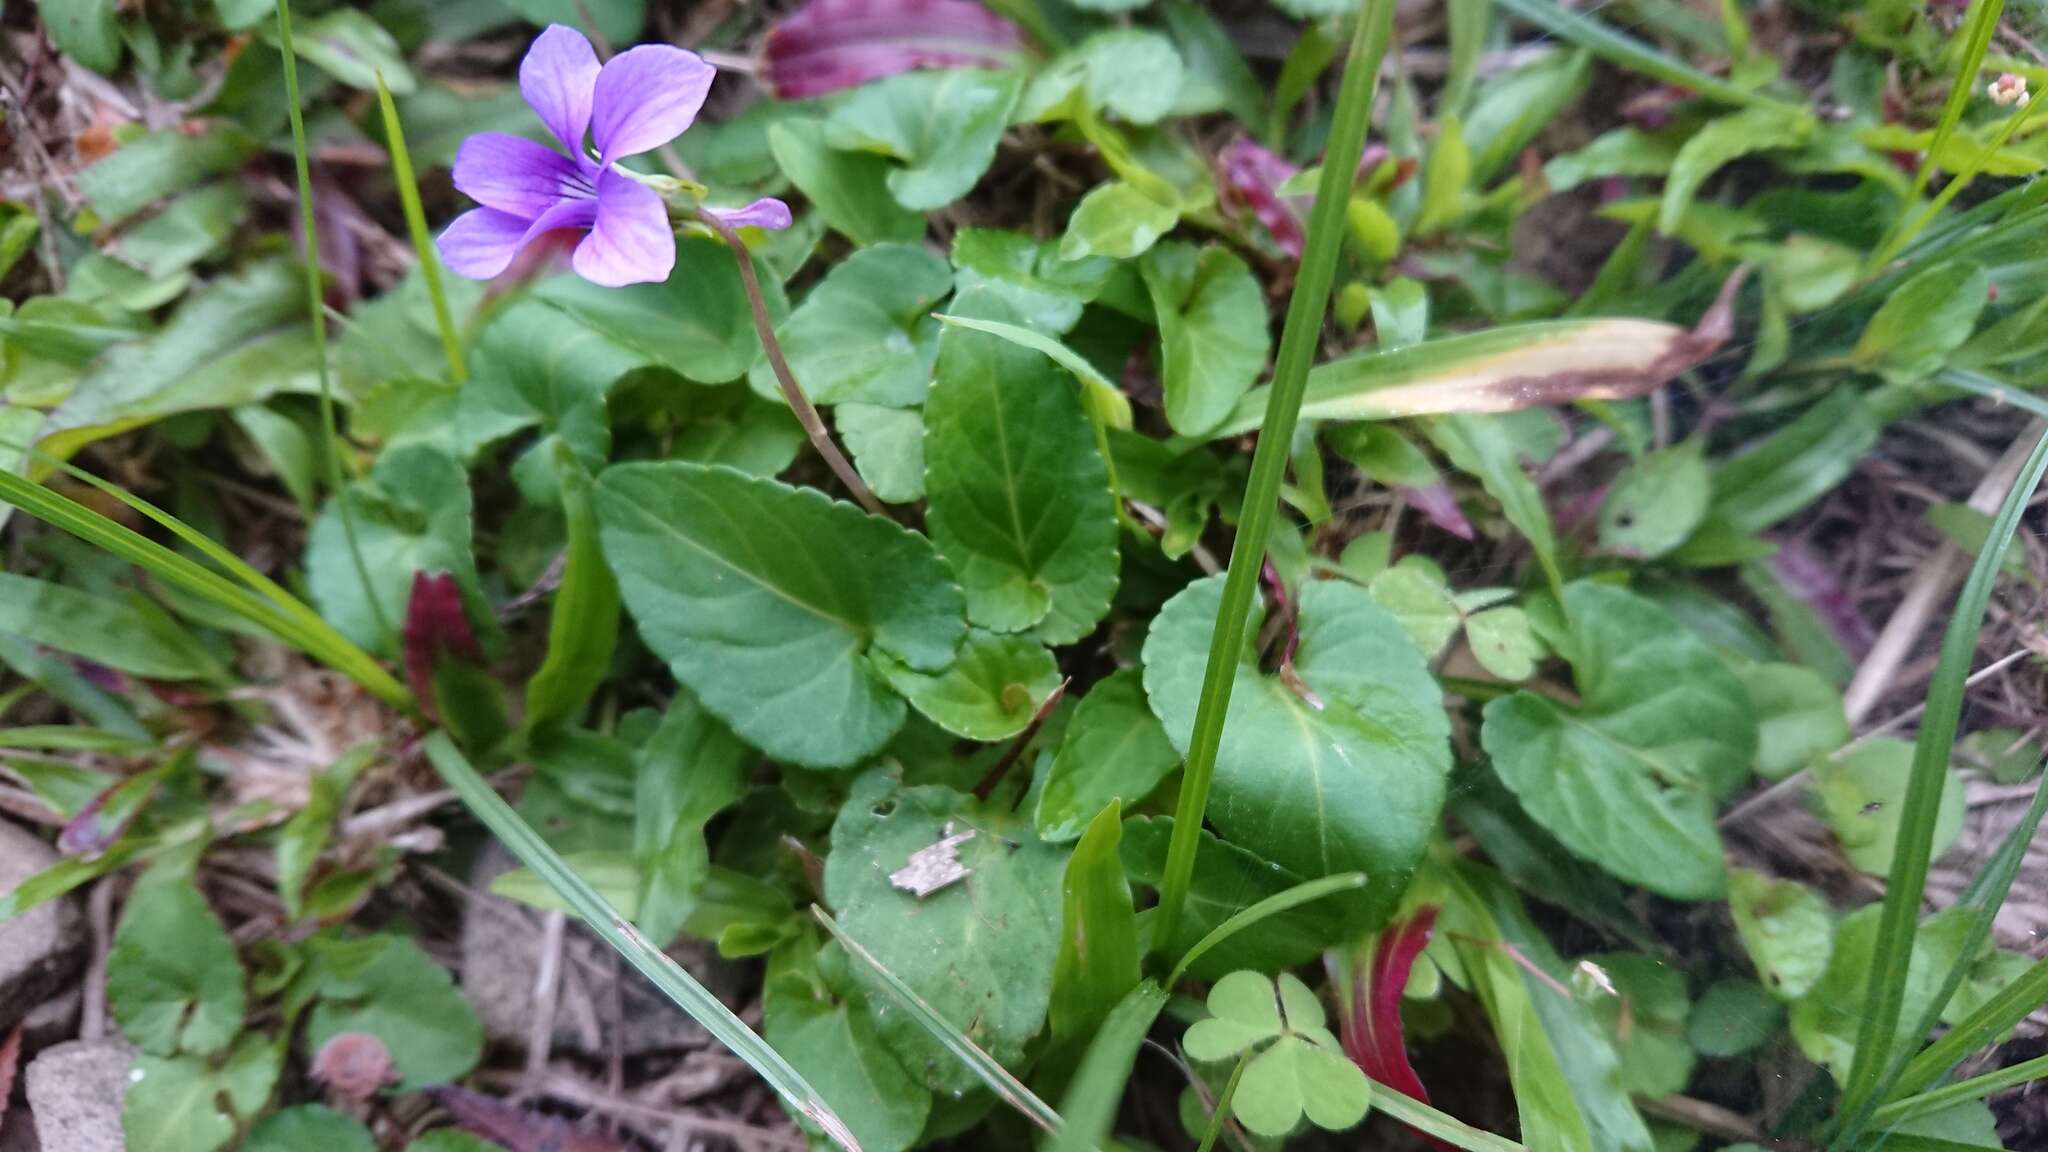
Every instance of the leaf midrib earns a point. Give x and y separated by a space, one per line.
765 585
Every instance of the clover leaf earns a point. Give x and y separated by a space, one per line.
1301 1069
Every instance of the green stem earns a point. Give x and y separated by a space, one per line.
1298 342
1975 1088
1903 234
1220 1119
416 224
318 315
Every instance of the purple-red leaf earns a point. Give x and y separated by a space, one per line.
1252 176
435 627
102 821
827 45
1441 507
1373 1036
518 1130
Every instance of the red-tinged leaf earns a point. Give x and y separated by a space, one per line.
1441 507
828 45
100 676
10 1060
1252 176
1373 1036
518 1130
1809 578
102 821
435 627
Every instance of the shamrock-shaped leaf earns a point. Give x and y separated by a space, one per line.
1302 1071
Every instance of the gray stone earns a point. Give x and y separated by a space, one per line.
54 1020
41 949
75 1092
501 942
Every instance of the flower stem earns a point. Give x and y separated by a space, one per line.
1298 340
416 225
806 412
318 314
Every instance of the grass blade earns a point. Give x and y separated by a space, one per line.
317 312
678 985
1220 1117
1978 27
1272 905
416 225
1098 1086
1906 884
1010 1089
1445 1127
1992 1019
1975 1088
1298 341
1626 51
301 629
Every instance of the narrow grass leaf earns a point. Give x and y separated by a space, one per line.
1273 905
1430 1122
1091 1103
416 226
659 968
998 1078
1626 51
1975 1088
1299 339
1908 879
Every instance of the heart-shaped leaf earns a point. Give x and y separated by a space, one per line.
765 599
990 691
696 322
1114 749
942 126
1631 778
1351 780
1212 328
1786 927
866 333
1019 497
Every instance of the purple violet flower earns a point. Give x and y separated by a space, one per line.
638 101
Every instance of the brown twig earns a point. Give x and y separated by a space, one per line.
806 412
996 771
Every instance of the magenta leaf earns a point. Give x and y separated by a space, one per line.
102 821
1373 1036
827 45
435 627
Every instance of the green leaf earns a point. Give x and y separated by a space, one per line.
1229 881
1485 447
162 163
1417 596
1787 929
1503 642
690 770
1114 750
980 952
1646 1017
387 987
825 1028
1862 793
850 189
354 49
232 344
866 332
942 126
583 624
1445 175
618 21
1019 497
1795 465
1212 328
1631 778
1097 1089
411 515
537 366
85 30
1922 322
887 445
989 692
696 323
1116 220
1734 1017
1046 292
174 1104
305 835
130 634
1243 1012
1296 1076
766 600
1514 107
1826 1022
1351 781
1098 957
1799 716
173 980
452 1140
1722 141
1131 73
1106 404
1657 503
308 1127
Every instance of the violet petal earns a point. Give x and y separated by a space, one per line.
766 212
630 242
482 242
516 175
828 45
646 97
558 78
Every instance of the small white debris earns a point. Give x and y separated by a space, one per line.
1588 978
935 867
2009 91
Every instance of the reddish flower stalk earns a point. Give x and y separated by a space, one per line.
1373 1035
435 626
